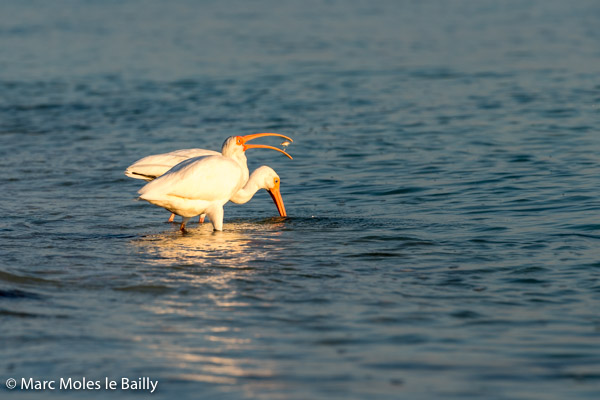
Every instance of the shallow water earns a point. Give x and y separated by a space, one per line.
442 238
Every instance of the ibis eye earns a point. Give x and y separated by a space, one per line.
276 180
239 141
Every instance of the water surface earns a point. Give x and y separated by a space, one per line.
442 238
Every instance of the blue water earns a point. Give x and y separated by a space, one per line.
443 232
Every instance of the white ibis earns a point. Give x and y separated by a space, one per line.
202 185
153 166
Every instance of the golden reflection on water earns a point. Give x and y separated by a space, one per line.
211 261
236 246
214 368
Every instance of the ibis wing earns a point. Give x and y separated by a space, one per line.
153 166
190 153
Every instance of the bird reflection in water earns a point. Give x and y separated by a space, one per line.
237 246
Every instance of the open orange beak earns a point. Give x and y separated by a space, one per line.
276 196
247 138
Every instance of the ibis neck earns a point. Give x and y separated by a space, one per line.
246 193
242 161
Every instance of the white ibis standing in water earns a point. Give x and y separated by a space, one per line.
153 166
202 185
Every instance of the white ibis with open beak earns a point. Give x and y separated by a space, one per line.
202 185
153 166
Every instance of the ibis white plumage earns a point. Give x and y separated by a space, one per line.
202 185
153 166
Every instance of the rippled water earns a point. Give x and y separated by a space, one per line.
443 232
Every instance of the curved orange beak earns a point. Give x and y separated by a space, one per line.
247 138
276 196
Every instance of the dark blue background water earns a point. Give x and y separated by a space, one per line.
443 232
